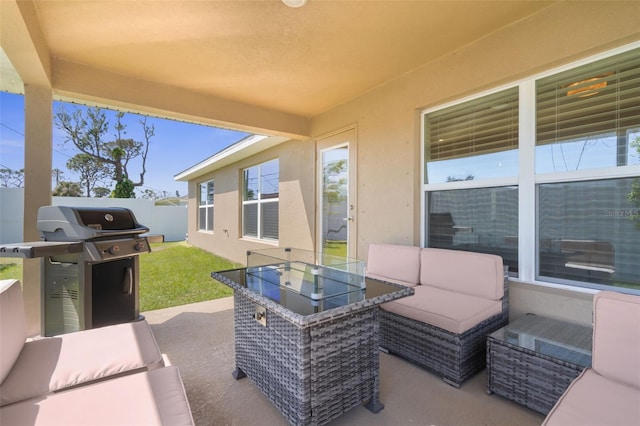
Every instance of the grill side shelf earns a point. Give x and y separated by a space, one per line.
35 249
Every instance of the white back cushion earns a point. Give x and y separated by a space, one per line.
476 274
397 263
616 337
13 326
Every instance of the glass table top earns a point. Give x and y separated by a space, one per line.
562 340
307 289
313 281
308 286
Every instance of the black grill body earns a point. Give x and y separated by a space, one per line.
98 285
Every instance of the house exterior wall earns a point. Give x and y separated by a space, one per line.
388 121
296 205
389 143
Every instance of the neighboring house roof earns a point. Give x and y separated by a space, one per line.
246 147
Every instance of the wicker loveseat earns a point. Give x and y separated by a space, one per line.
608 393
460 297
113 375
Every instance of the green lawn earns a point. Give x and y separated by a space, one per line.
10 268
175 274
172 274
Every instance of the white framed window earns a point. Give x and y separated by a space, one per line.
587 152
260 201
205 206
562 204
471 172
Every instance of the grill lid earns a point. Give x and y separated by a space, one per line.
63 223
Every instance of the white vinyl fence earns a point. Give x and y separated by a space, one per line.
168 221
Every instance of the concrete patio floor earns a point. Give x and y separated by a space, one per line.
198 339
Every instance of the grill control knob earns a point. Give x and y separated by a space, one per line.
139 246
114 250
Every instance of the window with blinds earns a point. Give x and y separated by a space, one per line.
473 140
587 224
260 201
589 116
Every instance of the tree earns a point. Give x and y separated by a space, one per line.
334 180
91 171
455 179
149 194
124 189
334 183
57 175
67 189
11 178
88 133
101 192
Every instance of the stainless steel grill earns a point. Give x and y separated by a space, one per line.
90 266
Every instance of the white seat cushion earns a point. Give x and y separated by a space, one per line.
592 400
54 363
150 398
454 312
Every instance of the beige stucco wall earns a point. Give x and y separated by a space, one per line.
296 207
389 149
388 118
550 301
388 122
38 102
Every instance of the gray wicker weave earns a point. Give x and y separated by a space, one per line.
313 368
455 357
533 360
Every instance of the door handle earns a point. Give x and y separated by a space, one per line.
127 283
350 218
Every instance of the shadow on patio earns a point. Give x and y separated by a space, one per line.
198 339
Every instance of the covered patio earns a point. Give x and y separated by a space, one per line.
302 77
198 338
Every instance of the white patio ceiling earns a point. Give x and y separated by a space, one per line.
261 56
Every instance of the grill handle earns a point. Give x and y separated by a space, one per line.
127 286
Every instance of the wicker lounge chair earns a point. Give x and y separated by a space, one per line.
609 392
460 298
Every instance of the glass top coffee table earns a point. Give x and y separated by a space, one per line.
533 360
306 331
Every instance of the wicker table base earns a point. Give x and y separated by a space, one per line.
533 360
314 361
313 374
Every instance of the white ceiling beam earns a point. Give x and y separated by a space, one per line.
83 83
23 43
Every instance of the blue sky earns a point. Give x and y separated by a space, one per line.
175 147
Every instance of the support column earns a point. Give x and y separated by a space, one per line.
38 137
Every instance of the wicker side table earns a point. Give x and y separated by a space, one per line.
533 360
